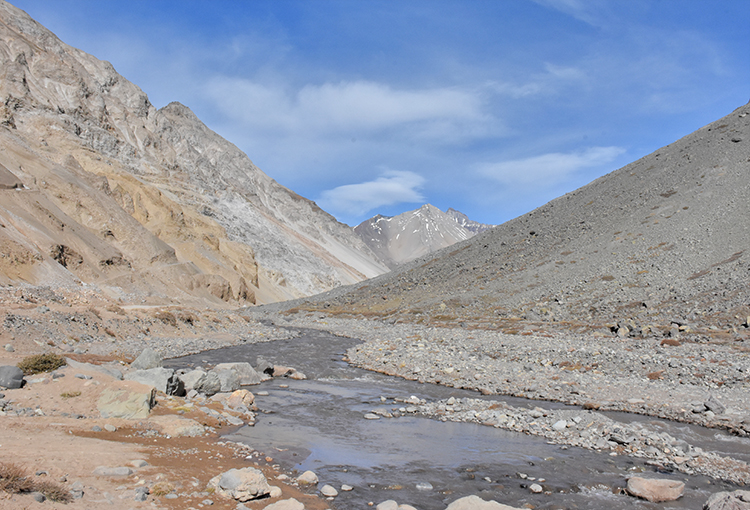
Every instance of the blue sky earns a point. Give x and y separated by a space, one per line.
490 107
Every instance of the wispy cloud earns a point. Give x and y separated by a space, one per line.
346 107
547 170
392 187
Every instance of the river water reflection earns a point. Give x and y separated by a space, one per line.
318 424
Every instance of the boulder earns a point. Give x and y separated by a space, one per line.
240 399
263 366
655 490
129 401
247 374
157 377
113 471
286 504
735 500
177 426
148 359
229 379
307 478
190 378
241 484
329 491
389 504
11 377
713 405
477 503
209 384
107 370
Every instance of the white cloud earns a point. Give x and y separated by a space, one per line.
349 108
392 187
548 169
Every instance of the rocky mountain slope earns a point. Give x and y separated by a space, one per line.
99 187
412 234
660 246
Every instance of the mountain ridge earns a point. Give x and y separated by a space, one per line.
659 244
91 145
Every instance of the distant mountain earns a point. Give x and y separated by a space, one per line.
658 247
98 187
466 223
399 239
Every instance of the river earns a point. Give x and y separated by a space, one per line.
319 424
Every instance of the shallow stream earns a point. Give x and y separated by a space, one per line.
319 424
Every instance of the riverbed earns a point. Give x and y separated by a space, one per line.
319 424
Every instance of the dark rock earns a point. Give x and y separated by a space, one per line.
11 377
38 496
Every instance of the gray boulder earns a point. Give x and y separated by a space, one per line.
163 379
102 369
230 380
191 378
241 484
736 500
209 384
247 374
148 359
11 377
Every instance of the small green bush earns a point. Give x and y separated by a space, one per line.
41 363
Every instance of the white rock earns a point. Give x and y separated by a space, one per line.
307 478
328 491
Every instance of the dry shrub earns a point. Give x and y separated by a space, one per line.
671 342
53 491
162 489
166 317
41 363
13 479
115 309
187 317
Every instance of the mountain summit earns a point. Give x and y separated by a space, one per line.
99 187
399 239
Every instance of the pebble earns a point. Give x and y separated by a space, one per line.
535 488
82 376
110 428
9 348
424 486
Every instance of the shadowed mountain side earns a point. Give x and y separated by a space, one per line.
661 245
183 212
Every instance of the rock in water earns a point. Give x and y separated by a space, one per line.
247 374
149 358
655 490
241 484
328 491
477 503
11 377
307 478
736 500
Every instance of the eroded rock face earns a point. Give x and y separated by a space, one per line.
655 490
241 484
